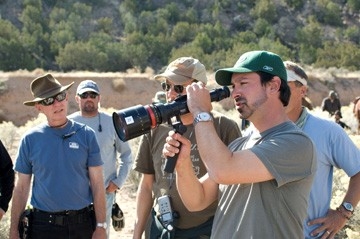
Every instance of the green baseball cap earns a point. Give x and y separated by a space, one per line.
253 61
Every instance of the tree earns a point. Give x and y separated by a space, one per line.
81 56
13 55
311 34
264 9
34 33
182 32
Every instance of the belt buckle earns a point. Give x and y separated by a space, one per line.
57 219
70 212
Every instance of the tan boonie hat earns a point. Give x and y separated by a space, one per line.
182 70
44 87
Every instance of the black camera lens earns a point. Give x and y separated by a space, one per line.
138 120
133 121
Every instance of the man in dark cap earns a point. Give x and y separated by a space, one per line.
60 160
262 180
115 153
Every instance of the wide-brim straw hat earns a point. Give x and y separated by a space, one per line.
44 87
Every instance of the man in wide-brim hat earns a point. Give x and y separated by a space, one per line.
64 157
45 86
48 91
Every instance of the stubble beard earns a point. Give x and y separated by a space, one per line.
89 107
248 110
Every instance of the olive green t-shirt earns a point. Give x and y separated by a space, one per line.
276 208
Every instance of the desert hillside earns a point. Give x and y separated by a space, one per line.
125 89
121 90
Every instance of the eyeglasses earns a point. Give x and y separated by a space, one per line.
85 95
177 88
51 100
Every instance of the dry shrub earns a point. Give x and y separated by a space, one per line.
118 85
3 86
2 116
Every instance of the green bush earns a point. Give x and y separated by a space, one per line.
118 35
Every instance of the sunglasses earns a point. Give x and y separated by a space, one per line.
51 100
85 95
177 88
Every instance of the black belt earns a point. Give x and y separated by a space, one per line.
63 218
65 212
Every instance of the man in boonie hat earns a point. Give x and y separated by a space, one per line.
150 161
180 73
60 160
184 69
255 176
44 87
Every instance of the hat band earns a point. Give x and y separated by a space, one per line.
46 93
292 76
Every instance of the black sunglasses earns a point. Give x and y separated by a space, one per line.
85 95
177 88
51 100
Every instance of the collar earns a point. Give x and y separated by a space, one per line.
302 119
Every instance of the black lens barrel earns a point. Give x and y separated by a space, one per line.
137 120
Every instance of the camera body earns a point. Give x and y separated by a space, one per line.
138 120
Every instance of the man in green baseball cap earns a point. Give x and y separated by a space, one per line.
253 61
261 179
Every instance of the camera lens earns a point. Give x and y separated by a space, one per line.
134 121
138 120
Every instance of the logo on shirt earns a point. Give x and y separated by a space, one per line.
73 145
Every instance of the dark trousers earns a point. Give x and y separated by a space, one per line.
202 231
78 225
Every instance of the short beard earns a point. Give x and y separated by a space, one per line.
248 110
89 108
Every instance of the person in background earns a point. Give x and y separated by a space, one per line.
337 118
60 159
7 177
334 149
160 97
331 103
115 153
356 111
150 162
263 180
307 103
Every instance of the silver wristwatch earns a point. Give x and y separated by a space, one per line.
102 225
203 117
348 206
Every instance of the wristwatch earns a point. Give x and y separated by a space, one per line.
348 206
203 117
102 225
